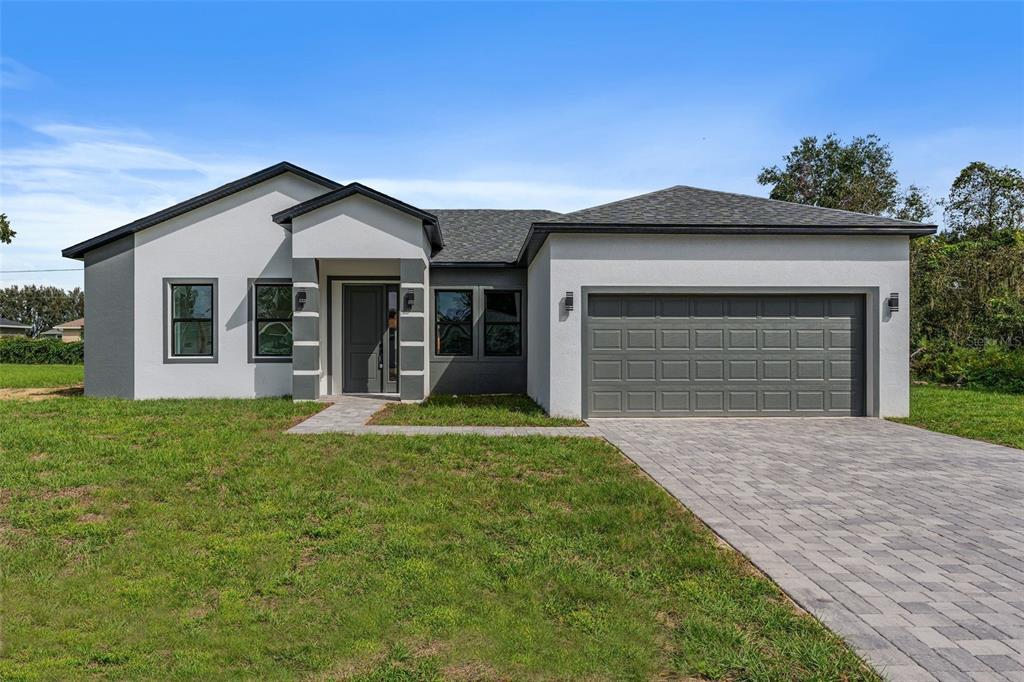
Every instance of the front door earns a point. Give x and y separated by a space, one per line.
364 334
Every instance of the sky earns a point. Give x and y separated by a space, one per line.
109 112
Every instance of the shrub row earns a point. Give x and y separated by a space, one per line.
994 367
19 350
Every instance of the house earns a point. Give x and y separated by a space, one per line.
680 302
12 328
72 330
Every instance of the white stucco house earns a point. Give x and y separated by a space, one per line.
680 302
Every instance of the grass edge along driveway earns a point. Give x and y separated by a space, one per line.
980 415
470 410
195 539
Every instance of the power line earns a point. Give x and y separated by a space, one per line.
10 272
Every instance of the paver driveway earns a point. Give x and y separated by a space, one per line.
908 543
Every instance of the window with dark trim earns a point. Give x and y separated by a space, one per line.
272 320
192 320
453 322
503 323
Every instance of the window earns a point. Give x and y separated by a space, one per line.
502 323
453 322
273 320
192 329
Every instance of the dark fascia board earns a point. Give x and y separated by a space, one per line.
79 250
474 264
540 231
430 222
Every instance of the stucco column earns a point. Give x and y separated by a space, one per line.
305 330
412 330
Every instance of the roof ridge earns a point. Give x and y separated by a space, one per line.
635 196
792 203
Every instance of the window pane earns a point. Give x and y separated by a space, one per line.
192 300
501 306
502 339
274 301
274 338
193 338
454 339
453 306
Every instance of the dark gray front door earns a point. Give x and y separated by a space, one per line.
363 338
737 355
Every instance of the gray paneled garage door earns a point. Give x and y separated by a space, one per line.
737 355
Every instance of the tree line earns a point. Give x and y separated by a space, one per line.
966 281
42 308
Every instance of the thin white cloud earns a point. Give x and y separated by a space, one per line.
15 75
498 193
81 181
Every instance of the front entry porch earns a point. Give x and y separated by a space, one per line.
359 328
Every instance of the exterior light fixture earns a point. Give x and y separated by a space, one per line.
300 300
408 300
893 302
568 304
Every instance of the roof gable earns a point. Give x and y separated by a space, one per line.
430 222
79 250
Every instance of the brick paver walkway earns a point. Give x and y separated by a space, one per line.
908 543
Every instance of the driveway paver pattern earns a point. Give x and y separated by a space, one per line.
906 542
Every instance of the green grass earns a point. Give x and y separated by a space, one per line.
40 376
194 539
982 415
470 410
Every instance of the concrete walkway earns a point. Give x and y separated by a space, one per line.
349 414
907 543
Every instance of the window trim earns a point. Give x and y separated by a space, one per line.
254 358
168 309
518 293
471 323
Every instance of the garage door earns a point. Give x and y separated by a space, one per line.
738 355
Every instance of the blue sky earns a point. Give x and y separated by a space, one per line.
112 111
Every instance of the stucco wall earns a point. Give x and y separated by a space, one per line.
478 373
232 240
110 309
358 227
710 261
540 306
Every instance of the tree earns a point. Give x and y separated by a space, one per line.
853 177
41 308
985 200
967 284
6 233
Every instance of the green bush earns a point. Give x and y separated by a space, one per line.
21 350
993 366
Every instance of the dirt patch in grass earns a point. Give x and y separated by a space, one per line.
77 492
41 393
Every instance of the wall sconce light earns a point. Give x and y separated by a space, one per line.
300 300
568 302
893 302
408 300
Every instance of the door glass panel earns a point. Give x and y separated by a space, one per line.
392 335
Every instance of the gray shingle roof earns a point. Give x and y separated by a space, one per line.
485 235
4 322
691 206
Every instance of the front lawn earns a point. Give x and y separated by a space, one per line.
40 376
194 539
470 410
982 415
